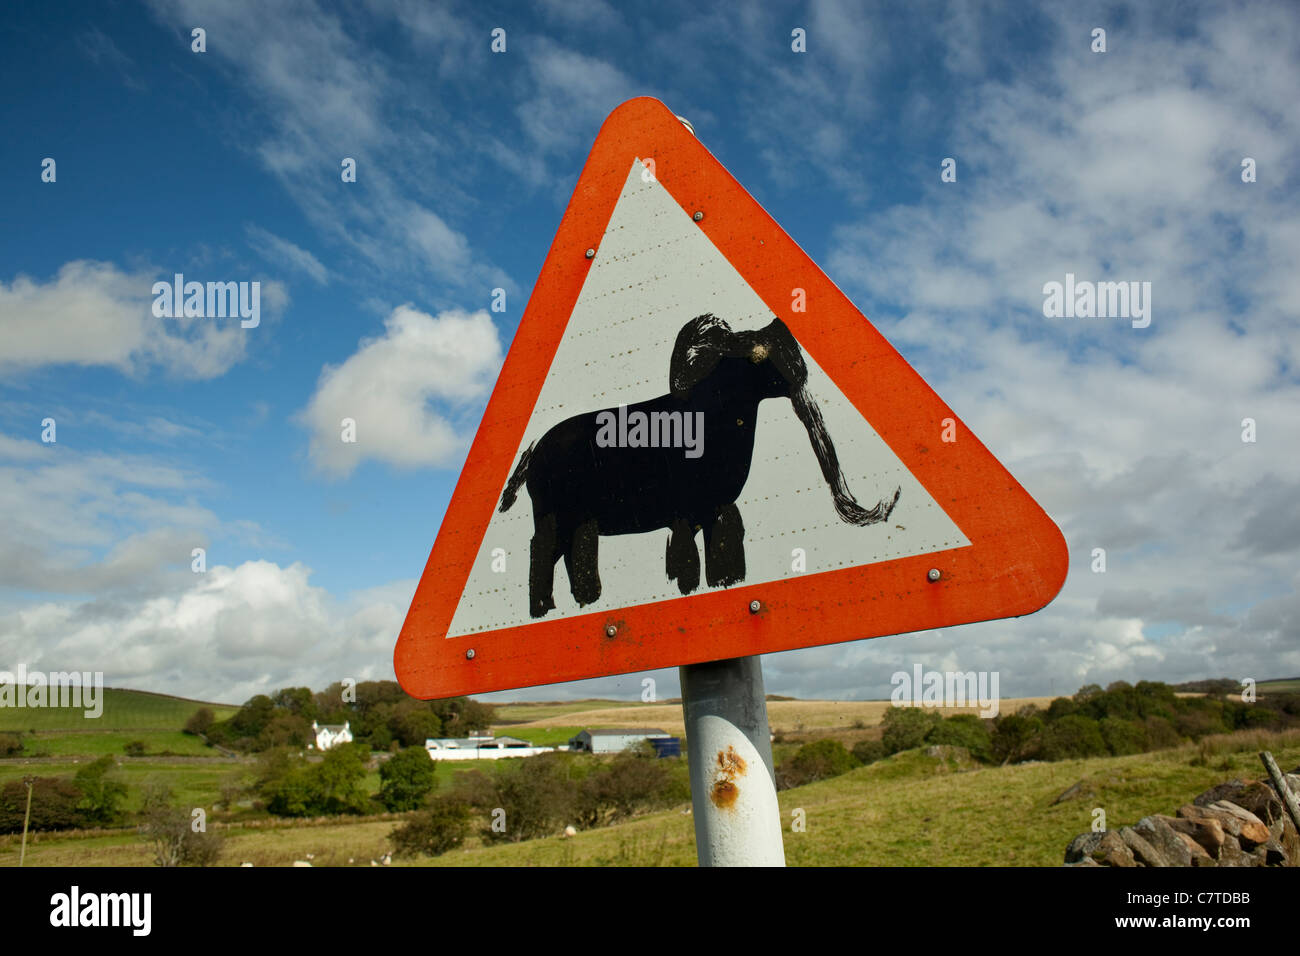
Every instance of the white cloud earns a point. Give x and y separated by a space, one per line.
226 635
1122 168
406 390
93 523
93 313
569 93
321 94
283 252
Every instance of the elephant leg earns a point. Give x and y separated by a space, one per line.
683 559
541 566
724 548
580 561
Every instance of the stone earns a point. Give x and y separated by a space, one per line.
1201 826
1156 830
1199 856
1070 793
1219 792
1260 799
1144 854
1252 827
1105 847
1230 822
1253 830
1230 854
1274 854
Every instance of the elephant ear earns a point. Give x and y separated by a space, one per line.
781 349
700 344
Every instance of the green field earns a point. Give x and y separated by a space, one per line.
122 710
93 743
539 736
195 782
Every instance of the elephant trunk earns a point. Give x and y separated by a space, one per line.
846 506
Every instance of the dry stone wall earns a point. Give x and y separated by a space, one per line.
1238 823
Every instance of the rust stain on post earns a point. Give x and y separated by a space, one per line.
730 766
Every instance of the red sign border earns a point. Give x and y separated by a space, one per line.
1016 562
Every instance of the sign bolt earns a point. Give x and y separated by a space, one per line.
698 215
591 253
754 607
469 654
933 574
610 630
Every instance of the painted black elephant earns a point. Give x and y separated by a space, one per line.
582 486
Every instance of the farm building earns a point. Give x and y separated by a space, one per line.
485 747
615 740
327 735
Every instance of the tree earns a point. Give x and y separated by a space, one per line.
413 724
199 722
869 751
818 760
537 797
406 779
336 781
1016 735
632 781
101 791
1061 707
298 701
284 730
253 716
964 730
294 788
907 727
54 805
11 745
1123 736
1072 736
136 748
442 826
173 833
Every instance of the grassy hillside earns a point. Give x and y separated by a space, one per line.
124 710
908 810
915 810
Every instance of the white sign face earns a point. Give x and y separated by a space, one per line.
656 271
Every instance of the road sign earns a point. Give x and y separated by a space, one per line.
699 449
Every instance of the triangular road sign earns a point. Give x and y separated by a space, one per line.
699 449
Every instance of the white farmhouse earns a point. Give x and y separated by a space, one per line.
328 735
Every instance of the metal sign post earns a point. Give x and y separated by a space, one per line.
729 746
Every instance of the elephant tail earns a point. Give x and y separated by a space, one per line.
517 478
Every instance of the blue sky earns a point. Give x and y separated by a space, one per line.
225 165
